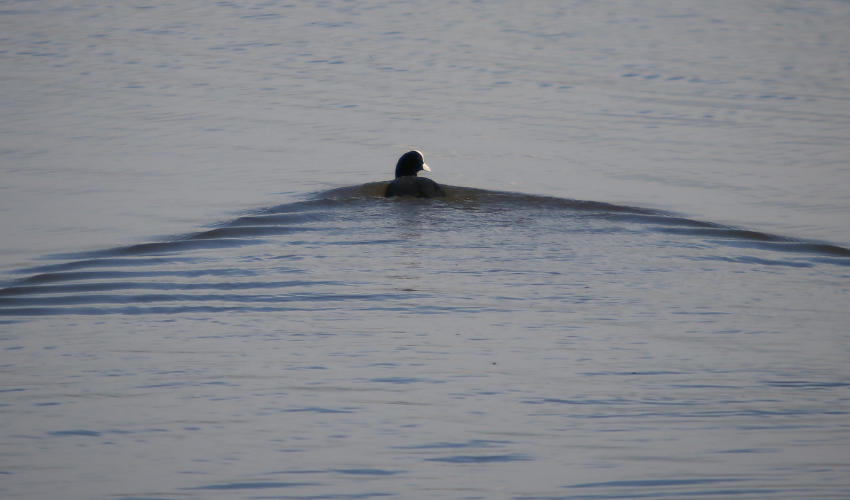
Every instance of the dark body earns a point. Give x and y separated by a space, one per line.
407 184
418 187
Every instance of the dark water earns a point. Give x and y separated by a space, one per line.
485 345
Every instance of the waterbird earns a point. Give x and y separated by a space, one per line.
407 184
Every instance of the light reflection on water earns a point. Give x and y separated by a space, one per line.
508 345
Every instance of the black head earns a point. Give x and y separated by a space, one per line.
410 164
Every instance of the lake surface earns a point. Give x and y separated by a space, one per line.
636 287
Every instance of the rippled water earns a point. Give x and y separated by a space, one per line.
636 287
352 346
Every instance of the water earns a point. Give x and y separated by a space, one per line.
636 287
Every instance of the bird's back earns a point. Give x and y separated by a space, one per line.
417 187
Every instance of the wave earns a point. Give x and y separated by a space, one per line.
329 247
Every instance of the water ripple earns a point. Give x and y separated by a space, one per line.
333 240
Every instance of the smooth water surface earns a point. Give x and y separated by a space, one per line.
636 287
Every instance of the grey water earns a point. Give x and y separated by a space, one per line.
636 287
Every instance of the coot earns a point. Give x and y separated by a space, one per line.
407 184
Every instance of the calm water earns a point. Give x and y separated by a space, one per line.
636 288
